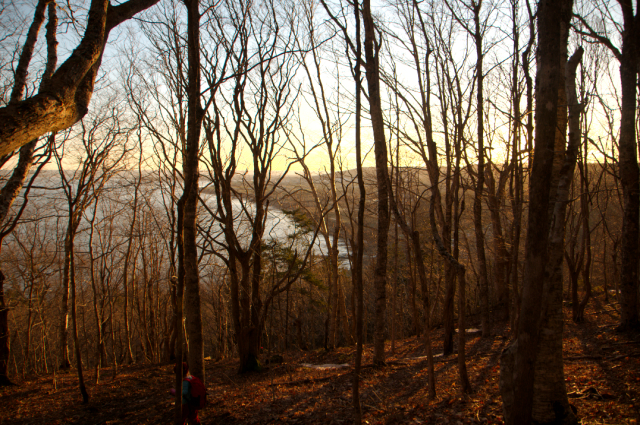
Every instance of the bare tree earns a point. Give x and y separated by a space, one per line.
324 191
627 55
103 145
444 216
250 111
477 32
15 183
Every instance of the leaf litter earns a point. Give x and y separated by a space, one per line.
602 373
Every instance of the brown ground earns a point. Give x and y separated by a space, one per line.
602 371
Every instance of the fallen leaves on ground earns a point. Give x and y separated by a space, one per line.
602 371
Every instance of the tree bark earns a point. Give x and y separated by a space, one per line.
359 254
372 67
550 403
524 354
189 199
64 99
629 172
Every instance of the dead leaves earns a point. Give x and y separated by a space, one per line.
602 376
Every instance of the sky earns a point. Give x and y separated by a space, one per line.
338 82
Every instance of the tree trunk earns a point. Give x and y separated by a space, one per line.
448 310
415 236
4 336
96 312
74 321
501 253
64 100
177 282
629 173
357 268
586 235
550 403
394 282
524 354
64 320
193 313
371 48
477 200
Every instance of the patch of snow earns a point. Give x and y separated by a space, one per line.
324 366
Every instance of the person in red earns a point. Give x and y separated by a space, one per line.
189 409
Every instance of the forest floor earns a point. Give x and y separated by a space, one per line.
602 371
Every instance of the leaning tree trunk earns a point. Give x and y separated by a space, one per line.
64 100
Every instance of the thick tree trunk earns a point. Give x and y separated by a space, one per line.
371 48
629 173
249 350
550 403
246 328
524 354
64 100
